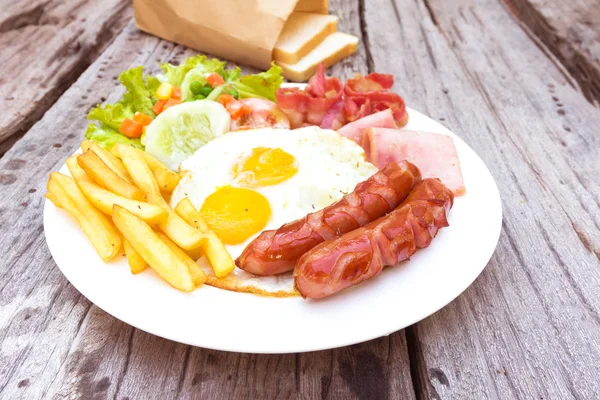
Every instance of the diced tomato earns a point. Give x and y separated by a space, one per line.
130 128
176 93
214 80
142 118
158 106
170 103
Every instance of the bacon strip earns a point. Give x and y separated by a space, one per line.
361 254
319 104
372 94
276 251
312 104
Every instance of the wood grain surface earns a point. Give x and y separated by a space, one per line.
529 327
45 45
571 30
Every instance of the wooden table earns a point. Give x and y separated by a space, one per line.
518 80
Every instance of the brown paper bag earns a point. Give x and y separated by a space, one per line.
244 31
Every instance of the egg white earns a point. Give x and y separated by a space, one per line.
329 166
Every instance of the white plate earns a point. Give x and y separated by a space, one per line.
224 320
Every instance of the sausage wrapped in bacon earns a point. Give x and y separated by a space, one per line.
361 254
276 251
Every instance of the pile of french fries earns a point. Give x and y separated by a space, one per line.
118 198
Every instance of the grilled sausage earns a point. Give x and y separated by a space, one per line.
362 254
276 251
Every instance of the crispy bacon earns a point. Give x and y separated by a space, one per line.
372 82
332 120
319 103
361 254
310 105
372 93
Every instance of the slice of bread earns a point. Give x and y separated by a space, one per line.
301 34
318 6
334 48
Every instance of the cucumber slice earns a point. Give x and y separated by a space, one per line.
176 133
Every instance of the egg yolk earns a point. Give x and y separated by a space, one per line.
265 166
235 214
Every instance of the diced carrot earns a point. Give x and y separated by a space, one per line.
176 93
142 118
158 106
170 103
164 91
130 128
224 99
214 80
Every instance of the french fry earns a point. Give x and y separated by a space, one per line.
115 152
198 276
218 256
174 227
76 171
196 253
96 226
50 196
136 263
167 180
153 249
113 162
104 176
104 199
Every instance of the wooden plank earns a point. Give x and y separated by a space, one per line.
529 327
45 46
571 30
55 342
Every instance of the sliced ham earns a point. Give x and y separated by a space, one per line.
434 154
355 130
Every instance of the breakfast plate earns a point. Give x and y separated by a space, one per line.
218 319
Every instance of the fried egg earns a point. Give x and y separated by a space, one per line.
248 181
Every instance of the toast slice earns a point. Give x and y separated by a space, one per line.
301 34
335 47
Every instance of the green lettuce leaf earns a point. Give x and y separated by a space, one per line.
138 96
107 137
264 84
175 75
111 115
232 75
202 68
152 83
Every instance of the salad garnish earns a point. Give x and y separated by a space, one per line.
146 96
